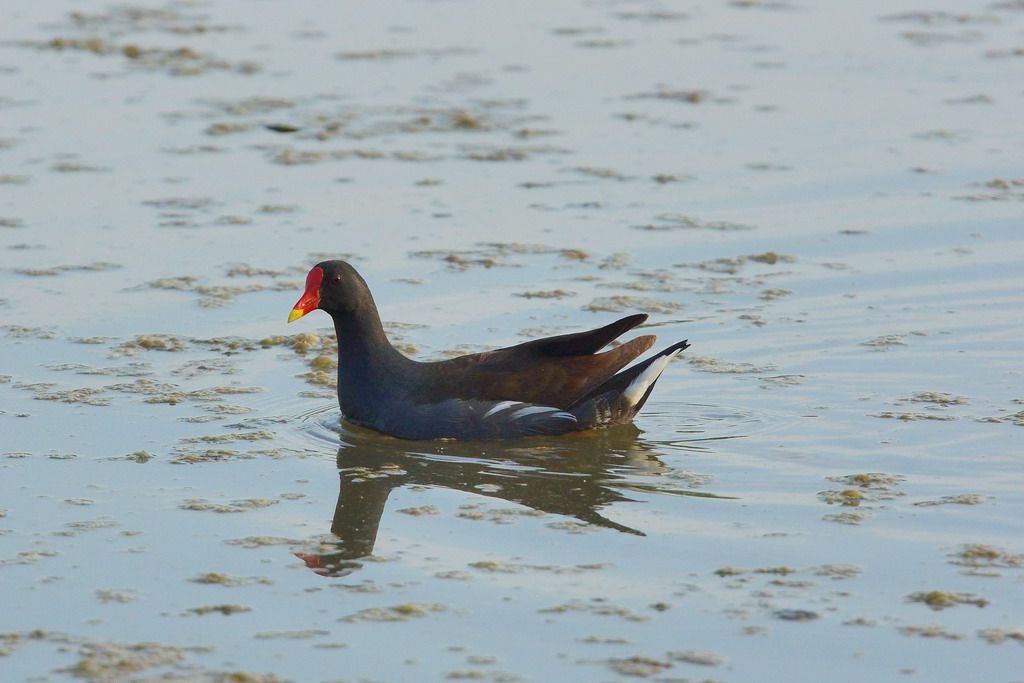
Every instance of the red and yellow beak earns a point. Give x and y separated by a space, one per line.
310 299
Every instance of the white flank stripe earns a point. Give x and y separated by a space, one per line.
532 410
501 406
638 387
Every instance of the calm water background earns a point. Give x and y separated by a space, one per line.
825 198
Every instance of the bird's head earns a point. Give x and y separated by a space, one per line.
331 286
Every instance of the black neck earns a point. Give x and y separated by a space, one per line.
367 361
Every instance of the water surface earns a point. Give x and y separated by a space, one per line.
825 200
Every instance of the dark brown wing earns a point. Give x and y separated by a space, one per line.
576 343
554 371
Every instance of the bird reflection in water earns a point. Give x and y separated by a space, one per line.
572 476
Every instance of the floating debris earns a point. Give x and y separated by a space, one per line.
220 579
937 398
704 364
596 606
930 632
978 556
961 499
639 666
997 636
244 505
795 615
939 600
911 417
226 609
403 612
622 302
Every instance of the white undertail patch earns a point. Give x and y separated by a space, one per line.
639 386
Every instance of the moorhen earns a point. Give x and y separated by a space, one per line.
546 386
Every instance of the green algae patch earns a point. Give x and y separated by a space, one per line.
176 61
845 518
402 612
596 606
639 666
773 293
320 378
300 343
603 640
323 362
30 556
837 571
546 294
492 566
704 364
622 302
939 600
871 480
467 675
871 487
497 255
260 435
111 661
25 332
698 657
779 381
225 609
220 409
930 632
729 571
208 455
151 342
220 295
831 571
960 499
227 128
420 511
117 595
108 662
305 634
253 542
171 394
244 505
937 398
1014 419
90 396
978 556
913 417
848 497
92 524
463 261
799 615
227 580
96 266
477 512
997 636
771 258
680 221
783 570
885 342
573 527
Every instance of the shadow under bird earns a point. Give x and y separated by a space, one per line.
551 386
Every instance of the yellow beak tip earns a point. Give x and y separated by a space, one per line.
295 314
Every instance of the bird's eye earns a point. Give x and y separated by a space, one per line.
337 278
